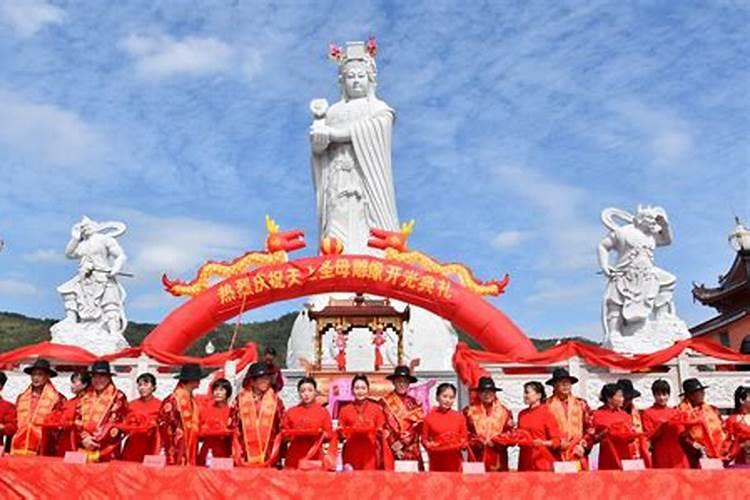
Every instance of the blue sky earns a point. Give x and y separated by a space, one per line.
517 123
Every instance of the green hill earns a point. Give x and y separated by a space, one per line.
17 330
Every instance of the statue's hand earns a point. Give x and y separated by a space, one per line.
76 232
319 138
608 271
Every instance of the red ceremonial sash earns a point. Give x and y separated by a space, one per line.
405 417
188 408
569 416
28 437
256 425
708 431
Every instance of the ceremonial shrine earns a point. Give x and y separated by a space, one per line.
342 316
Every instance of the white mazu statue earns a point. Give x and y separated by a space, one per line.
94 301
354 192
638 312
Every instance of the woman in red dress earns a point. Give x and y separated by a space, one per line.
63 435
312 423
738 428
662 430
360 423
143 412
444 432
614 429
539 422
214 423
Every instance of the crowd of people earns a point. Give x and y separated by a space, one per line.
254 429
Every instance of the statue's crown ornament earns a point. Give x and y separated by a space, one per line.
354 51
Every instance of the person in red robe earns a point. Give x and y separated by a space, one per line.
33 407
403 419
574 417
309 418
256 419
444 432
704 433
179 418
100 410
487 418
215 433
59 426
614 429
738 428
360 424
7 418
143 433
662 431
639 447
269 356
538 421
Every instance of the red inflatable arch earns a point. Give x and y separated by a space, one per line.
339 273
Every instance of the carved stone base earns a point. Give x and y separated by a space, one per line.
90 336
651 336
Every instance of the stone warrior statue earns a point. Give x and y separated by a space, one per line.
93 299
354 190
638 312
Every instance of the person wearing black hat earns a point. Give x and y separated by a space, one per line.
179 416
614 428
33 407
404 416
269 356
630 393
256 417
7 418
100 409
573 416
486 418
662 431
696 441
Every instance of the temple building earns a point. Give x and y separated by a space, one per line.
731 298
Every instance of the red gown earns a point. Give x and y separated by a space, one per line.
361 450
63 435
443 434
256 422
215 432
666 450
738 432
97 415
178 427
32 410
403 423
541 424
8 420
140 444
708 431
312 417
485 422
574 417
614 445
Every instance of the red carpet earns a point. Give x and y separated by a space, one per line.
50 478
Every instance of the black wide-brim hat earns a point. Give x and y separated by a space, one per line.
101 368
628 390
402 371
190 372
40 364
258 369
559 374
486 384
691 385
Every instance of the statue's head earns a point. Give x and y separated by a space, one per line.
88 226
357 68
649 219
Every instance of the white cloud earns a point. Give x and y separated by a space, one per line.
564 292
179 245
45 256
161 56
45 132
27 17
569 236
16 287
669 138
510 239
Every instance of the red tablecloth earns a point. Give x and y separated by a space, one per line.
50 478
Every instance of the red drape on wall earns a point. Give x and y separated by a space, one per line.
50 478
467 361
